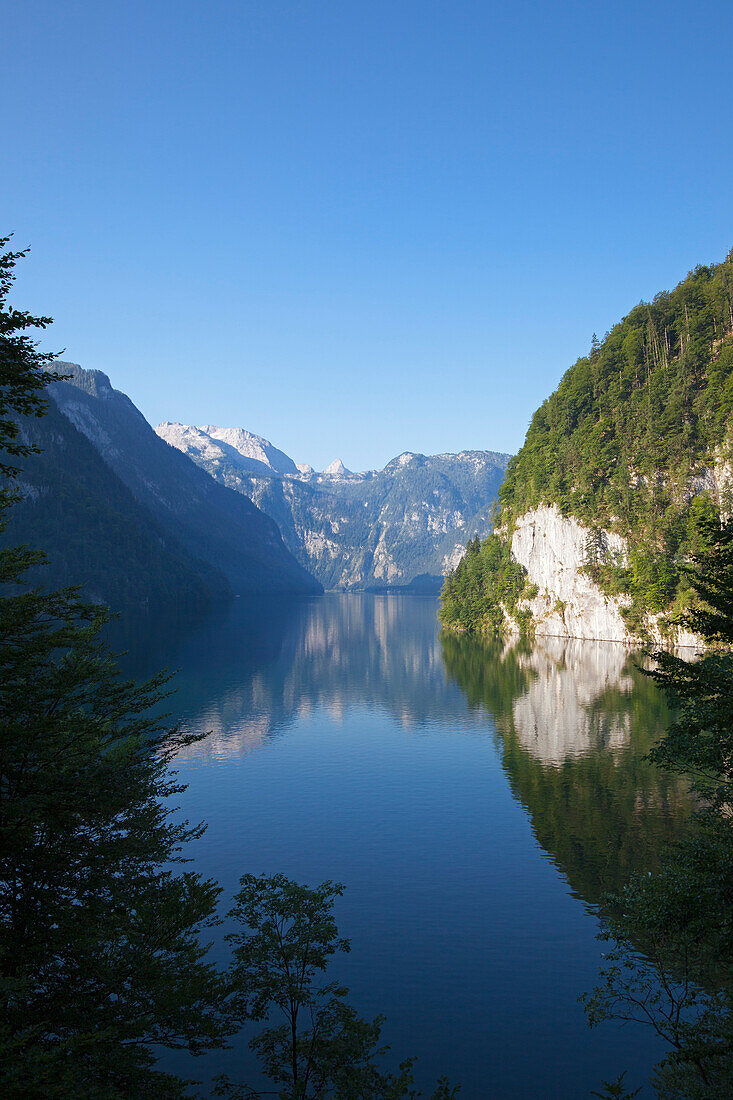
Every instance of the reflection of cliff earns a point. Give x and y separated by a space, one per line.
557 716
247 674
573 732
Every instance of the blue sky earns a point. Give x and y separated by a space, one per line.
358 228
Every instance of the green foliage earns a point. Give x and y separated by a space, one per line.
616 1090
485 584
627 428
101 960
100 956
700 740
23 373
670 965
320 1047
651 402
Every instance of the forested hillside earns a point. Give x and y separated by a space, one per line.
634 441
212 523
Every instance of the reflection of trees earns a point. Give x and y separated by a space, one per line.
575 720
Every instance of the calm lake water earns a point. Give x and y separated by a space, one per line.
476 800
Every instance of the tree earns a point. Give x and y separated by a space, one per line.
700 741
670 965
100 956
23 371
101 952
320 1047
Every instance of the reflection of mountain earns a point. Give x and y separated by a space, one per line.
247 673
575 720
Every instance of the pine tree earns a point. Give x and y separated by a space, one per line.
100 955
670 965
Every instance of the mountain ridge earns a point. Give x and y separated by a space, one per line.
355 530
213 524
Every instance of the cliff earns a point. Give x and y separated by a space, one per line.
601 507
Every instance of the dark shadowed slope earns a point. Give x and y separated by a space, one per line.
75 508
210 521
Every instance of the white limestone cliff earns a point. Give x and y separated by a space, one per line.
568 604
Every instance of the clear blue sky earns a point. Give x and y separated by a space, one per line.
353 226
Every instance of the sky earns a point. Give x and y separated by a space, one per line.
358 228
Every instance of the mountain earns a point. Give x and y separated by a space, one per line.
400 526
247 452
77 510
336 469
198 518
602 506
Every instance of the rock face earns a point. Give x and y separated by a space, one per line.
241 448
381 528
218 527
552 549
336 469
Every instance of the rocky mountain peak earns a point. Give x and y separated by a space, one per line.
93 382
336 469
252 446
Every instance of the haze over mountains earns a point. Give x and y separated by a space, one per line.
222 512
132 519
404 525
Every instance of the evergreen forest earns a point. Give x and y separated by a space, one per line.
629 442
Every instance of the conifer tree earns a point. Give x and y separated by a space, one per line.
100 955
670 963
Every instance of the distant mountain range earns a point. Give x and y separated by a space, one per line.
132 519
194 515
405 525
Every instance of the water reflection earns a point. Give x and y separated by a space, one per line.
249 673
572 719
559 716
350 741
575 720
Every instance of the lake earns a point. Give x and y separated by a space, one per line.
476 799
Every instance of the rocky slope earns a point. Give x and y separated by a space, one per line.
76 510
224 531
382 528
620 469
